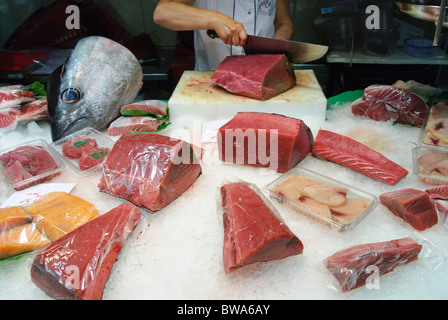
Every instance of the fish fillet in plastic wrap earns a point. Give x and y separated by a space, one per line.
78 265
389 103
14 95
264 140
35 226
253 231
257 76
354 266
356 156
149 170
413 206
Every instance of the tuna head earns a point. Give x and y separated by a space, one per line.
99 77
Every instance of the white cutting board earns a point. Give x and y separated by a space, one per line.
196 98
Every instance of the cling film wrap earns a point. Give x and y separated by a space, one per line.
149 170
389 103
35 226
14 95
253 229
362 265
77 266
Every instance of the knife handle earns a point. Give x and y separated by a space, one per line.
212 34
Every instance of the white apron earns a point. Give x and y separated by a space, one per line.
257 17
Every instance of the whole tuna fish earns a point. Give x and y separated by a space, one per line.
99 77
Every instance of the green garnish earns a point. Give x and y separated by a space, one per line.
78 144
38 89
97 156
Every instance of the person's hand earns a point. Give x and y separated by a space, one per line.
230 31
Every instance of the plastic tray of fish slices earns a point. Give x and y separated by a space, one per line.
85 151
430 164
435 130
333 203
29 163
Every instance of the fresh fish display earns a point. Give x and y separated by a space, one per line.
436 128
264 140
15 95
149 170
91 250
155 108
413 206
253 231
125 124
99 77
356 156
389 103
351 266
35 226
257 76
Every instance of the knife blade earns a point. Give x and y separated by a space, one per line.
297 52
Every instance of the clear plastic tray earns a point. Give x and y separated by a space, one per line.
432 173
101 140
425 134
43 177
330 215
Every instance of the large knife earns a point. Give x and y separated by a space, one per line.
297 52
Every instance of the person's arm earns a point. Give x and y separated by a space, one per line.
179 15
283 22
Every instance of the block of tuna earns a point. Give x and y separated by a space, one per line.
253 232
154 108
356 156
77 266
124 125
413 206
389 103
149 170
352 267
264 140
257 76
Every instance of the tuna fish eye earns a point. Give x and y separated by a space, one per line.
71 95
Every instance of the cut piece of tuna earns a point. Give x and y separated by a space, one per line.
155 108
78 265
253 232
389 103
264 140
356 156
92 158
14 95
123 125
149 170
354 267
440 192
257 76
413 206
35 110
9 119
75 148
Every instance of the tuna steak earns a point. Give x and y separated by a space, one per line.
388 103
352 267
264 140
413 206
124 125
99 77
356 156
149 170
253 232
157 108
77 266
257 76
14 95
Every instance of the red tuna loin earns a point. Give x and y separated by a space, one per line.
149 170
356 156
413 206
258 76
252 231
247 137
351 267
378 111
409 105
78 265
